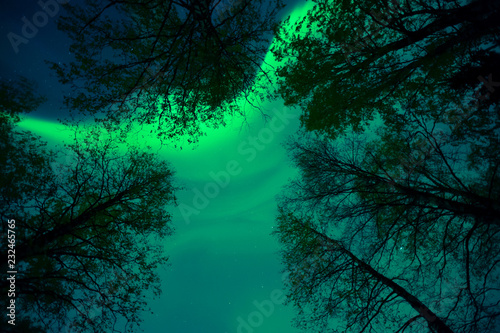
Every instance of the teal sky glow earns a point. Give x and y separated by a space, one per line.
224 264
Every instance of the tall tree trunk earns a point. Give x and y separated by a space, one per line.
483 212
41 241
434 321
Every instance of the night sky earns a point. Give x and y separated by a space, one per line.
224 264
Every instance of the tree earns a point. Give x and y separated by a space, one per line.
342 282
347 61
87 239
23 155
470 73
412 200
175 64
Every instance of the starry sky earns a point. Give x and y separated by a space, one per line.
224 273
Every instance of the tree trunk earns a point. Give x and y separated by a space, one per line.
482 212
434 321
43 240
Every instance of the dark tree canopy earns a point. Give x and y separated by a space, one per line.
17 97
398 191
347 60
87 233
344 291
22 155
418 200
175 64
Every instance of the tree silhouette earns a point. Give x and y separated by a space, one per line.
86 239
175 64
416 204
346 61
23 155
345 287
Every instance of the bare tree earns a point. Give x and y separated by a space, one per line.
177 65
88 235
345 60
342 290
410 198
